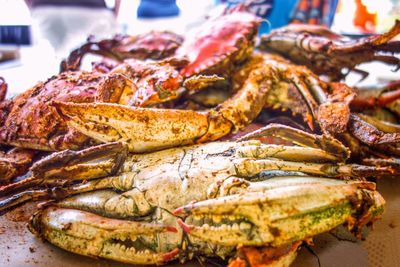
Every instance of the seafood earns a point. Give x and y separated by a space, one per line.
246 201
265 81
207 55
29 120
330 108
203 200
326 52
15 162
131 83
151 45
375 98
146 129
380 109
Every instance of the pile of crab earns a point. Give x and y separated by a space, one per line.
139 160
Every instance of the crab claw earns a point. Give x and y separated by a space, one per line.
281 215
147 129
93 235
144 129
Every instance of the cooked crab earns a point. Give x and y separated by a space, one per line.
151 45
30 121
326 52
202 200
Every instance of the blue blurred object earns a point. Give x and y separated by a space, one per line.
157 8
15 34
277 13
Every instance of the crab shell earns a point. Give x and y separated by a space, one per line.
30 121
219 43
153 45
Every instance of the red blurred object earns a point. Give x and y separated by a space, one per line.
363 19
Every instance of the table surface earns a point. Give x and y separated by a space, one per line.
381 248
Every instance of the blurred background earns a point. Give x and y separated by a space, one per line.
36 34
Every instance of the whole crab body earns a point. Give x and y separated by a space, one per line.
202 200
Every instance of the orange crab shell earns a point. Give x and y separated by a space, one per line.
219 43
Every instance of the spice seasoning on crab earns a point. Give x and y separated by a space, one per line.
246 194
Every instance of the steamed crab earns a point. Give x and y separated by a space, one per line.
326 52
152 45
215 199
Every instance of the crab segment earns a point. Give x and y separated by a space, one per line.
156 82
71 165
277 216
131 203
92 235
301 154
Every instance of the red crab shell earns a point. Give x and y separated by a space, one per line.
153 45
156 82
30 121
219 43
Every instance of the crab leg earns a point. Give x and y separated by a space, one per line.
372 97
55 193
301 138
328 53
381 125
93 235
250 167
369 134
70 165
307 86
301 154
281 215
